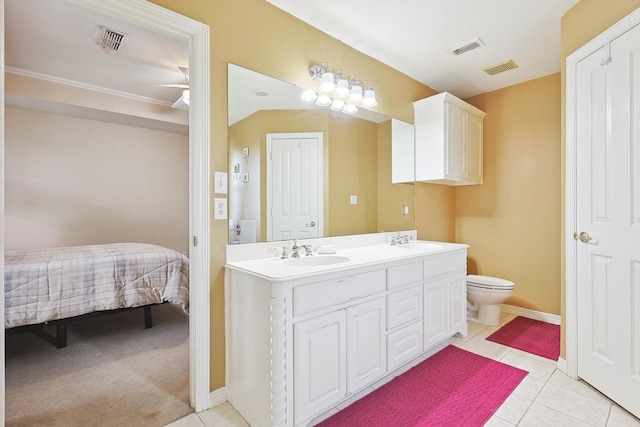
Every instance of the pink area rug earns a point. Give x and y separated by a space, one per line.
532 336
452 388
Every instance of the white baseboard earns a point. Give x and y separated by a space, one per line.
217 397
531 314
562 365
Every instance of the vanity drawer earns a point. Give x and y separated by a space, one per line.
329 293
404 274
404 307
442 265
403 345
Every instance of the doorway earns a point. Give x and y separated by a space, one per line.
162 21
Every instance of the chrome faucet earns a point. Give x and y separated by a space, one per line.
295 249
401 239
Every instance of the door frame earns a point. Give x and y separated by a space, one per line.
160 20
269 178
571 288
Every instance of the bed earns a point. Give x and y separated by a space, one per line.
49 285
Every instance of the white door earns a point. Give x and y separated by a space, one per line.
608 216
294 185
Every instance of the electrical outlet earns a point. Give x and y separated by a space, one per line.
219 208
353 200
220 182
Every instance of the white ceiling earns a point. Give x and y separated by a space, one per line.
56 39
417 37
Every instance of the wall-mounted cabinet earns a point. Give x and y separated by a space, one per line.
448 141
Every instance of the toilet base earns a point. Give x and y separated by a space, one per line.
486 315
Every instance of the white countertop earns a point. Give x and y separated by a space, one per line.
279 269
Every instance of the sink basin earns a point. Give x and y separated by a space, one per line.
421 246
313 261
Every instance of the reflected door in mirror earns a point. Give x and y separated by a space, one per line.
294 185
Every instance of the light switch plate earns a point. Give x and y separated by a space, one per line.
353 200
220 182
219 208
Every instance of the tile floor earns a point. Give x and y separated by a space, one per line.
546 397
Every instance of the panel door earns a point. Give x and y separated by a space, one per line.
294 186
608 213
366 348
320 361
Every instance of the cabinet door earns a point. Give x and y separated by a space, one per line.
474 149
320 355
436 312
456 136
366 348
458 305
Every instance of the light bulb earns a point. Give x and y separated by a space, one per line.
350 109
308 95
369 98
327 81
337 104
342 86
356 92
323 100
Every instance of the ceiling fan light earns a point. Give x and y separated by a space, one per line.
185 96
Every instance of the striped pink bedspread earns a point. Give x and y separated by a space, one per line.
57 283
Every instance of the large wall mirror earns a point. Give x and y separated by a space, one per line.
300 171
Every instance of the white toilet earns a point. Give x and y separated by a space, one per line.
484 296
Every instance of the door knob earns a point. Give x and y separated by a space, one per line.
583 236
311 224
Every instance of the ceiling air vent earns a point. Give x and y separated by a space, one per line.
109 40
500 68
466 48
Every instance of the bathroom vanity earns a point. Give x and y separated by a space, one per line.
304 334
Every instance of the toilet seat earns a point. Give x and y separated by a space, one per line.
488 282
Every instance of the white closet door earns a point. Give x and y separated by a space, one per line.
608 213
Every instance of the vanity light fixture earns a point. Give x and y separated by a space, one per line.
338 91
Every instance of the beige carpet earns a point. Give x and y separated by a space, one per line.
113 372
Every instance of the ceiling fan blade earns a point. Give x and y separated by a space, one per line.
185 71
181 86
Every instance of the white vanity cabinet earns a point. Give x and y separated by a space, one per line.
298 346
448 141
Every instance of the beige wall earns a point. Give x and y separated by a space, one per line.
511 221
257 35
72 181
580 24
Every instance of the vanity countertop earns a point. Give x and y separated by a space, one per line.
277 269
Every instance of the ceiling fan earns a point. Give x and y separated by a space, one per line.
183 101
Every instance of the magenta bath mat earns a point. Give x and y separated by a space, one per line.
532 336
452 388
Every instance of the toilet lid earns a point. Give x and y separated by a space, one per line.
489 282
